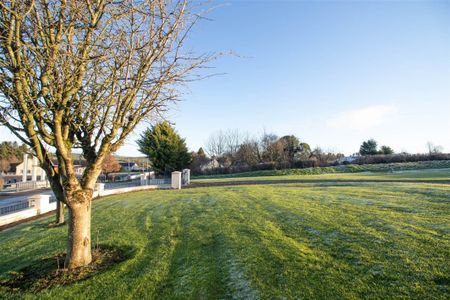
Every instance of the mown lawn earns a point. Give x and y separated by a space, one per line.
327 241
406 170
426 174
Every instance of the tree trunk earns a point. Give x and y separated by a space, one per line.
59 212
79 238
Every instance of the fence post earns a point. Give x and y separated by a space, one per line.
176 180
25 168
34 167
41 202
100 188
186 176
143 179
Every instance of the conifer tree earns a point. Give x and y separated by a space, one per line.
165 148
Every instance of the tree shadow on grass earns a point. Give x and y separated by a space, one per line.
49 272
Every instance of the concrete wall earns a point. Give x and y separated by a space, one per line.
17 216
100 193
41 203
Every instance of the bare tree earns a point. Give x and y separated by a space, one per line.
223 146
324 157
110 165
434 149
233 140
83 74
248 153
216 145
266 143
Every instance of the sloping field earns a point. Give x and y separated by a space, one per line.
328 241
406 175
420 169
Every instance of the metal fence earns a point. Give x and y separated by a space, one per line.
30 185
15 207
121 184
138 182
158 181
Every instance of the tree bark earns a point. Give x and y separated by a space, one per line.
59 212
79 238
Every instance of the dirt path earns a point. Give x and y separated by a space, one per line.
285 181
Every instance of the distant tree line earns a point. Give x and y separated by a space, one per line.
399 158
231 151
370 154
370 147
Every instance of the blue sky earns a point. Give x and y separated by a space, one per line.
334 73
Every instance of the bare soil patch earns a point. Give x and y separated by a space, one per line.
50 272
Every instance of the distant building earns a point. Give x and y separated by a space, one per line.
19 169
16 170
347 159
211 164
130 166
79 169
12 168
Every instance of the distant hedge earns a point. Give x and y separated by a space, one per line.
397 158
304 164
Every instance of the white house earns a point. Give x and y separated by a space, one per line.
31 167
348 159
211 164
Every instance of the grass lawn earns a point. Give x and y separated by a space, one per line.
426 174
439 169
328 241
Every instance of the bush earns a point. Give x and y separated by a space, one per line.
402 157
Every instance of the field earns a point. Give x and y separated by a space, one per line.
284 241
406 175
414 170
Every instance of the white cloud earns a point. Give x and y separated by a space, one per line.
361 119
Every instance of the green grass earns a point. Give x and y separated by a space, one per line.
342 169
296 241
426 174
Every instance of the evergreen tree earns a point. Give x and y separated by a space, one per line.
386 150
166 150
12 152
368 148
